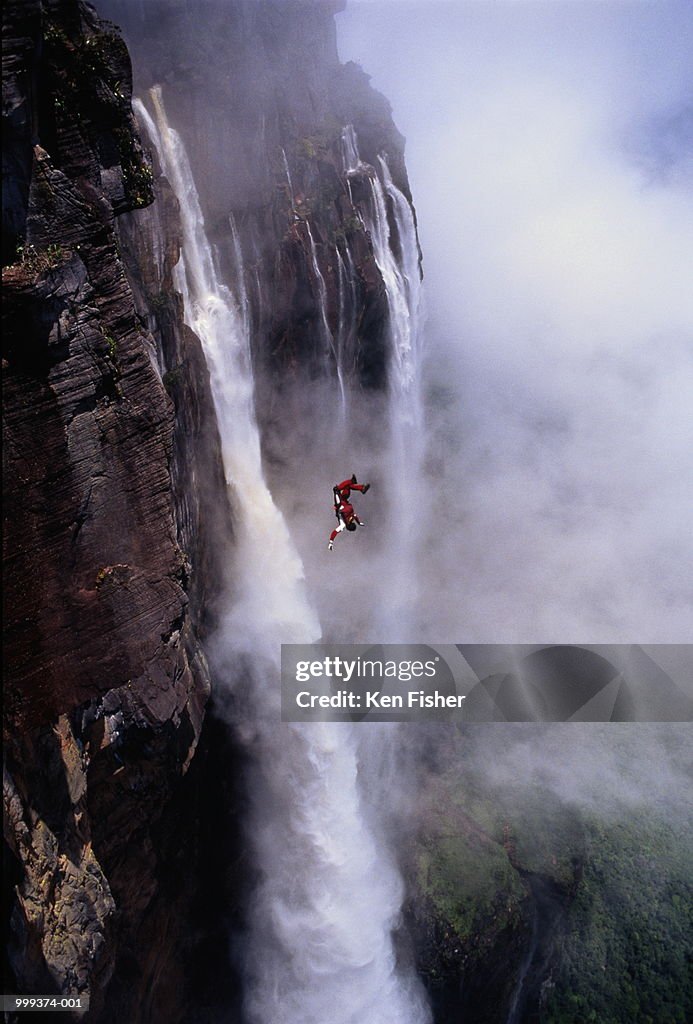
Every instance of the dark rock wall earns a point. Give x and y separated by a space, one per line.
116 520
150 241
256 88
107 568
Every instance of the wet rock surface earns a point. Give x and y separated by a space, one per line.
262 111
116 514
106 682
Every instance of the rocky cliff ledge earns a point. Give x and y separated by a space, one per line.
106 680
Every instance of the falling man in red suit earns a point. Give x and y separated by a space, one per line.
344 510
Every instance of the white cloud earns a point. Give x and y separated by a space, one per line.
545 145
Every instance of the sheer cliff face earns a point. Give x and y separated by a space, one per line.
116 517
105 680
261 100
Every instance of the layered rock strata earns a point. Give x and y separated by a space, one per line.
106 681
261 99
117 521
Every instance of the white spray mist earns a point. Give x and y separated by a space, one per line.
320 947
398 262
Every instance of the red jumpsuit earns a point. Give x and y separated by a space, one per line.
343 507
343 490
345 514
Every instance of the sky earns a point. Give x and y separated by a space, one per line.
550 153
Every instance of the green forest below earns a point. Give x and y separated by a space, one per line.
612 858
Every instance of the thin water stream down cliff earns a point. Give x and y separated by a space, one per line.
163 485
322 917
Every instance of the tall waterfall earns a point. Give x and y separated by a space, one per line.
397 258
347 302
320 948
289 182
328 339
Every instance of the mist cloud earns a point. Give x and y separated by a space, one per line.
548 148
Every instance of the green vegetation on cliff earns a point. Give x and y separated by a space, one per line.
626 956
583 904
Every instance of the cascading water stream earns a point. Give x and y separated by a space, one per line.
347 303
320 948
287 172
395 617
238 270
398 262
328 339
516 1004
331 347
